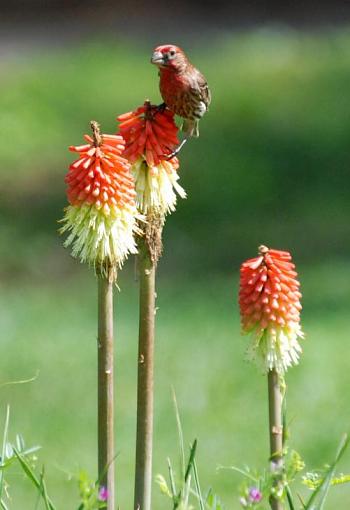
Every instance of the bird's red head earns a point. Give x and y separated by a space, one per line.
169 56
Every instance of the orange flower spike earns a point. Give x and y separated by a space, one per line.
90 177
150 135
101 217
269 300
138 126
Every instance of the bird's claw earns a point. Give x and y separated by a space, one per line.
172 155
161 108
176 151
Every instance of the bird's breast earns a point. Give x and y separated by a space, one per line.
178 95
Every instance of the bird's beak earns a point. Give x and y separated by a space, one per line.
157 58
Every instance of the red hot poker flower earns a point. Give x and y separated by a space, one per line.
269 300
150 132
101 217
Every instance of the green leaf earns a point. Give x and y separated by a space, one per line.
191 459
212 502
209 500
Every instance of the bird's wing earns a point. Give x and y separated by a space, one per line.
199 87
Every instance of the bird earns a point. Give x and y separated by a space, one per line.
183 88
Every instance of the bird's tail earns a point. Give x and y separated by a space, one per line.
190 128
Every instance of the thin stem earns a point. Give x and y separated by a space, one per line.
144 434
275 429
105 388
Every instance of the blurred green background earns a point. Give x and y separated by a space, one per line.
271 166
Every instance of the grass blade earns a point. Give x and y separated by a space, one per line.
301 501
191 459
23 381
322 490
187 492
284 421
44 490
34 479
185 489
3 505
105 469
172 481
198 488
180 434
240 471
290 498
3 449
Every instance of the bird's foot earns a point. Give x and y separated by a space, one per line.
161 107
176 151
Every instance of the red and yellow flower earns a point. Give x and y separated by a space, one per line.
150 134
101 217
269 300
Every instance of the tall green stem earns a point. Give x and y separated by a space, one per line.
105 388
275 429
144 434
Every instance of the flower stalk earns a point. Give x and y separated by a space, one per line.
105 387
149 252
144 432
275 432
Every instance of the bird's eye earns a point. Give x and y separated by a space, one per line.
172 53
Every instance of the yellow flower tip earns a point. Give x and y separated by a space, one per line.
102 240
156 186
276 348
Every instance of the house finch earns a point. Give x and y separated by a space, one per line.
183 88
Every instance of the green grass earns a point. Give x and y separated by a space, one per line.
51 328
